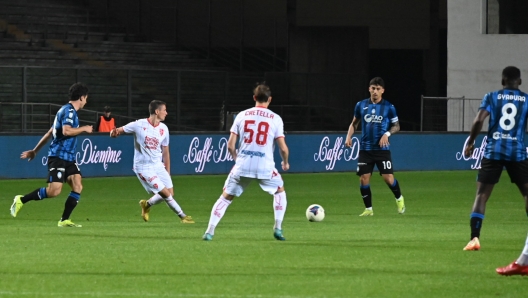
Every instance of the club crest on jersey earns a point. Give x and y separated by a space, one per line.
161 131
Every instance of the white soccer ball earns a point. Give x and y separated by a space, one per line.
315 212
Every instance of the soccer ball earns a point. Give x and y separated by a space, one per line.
315 212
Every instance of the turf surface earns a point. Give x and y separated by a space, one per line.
116 254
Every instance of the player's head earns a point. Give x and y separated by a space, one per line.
262 93
78 91
511 77
158 108
376 88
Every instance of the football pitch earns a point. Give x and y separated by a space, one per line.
116 254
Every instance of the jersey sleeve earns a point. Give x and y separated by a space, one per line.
67 117
486 103
235 128
392 114
279 131
131 127
357 110
165 141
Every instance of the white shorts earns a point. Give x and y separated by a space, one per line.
154 179
235 185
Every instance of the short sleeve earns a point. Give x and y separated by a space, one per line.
393 116
235 128
68 117
131 127
486 103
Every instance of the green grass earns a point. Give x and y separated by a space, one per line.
116 254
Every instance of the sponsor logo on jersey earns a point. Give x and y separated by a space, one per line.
151 143
373 118
505 136
253 153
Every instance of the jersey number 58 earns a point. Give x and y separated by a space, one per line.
262 132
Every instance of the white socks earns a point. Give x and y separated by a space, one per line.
218 211
171 202
279 208
523 259
156 199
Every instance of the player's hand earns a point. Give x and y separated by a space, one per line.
88 128
285 166
29 154
384 141
348 142
468 151
114 133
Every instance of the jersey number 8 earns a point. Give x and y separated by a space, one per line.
262 132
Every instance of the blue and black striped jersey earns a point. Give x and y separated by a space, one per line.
376 119
508 111
63 146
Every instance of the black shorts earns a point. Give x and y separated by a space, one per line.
60 169
491 170
381 158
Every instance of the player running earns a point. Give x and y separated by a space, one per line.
152 159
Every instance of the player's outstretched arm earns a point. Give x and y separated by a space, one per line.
231 145
116 131
351 129
71 131
30 154
476 127
284 153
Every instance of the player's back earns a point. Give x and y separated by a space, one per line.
63 146
508 111
257 129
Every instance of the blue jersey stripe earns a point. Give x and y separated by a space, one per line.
63 146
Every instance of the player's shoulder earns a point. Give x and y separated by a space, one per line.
387 102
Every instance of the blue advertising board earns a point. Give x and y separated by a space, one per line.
99 155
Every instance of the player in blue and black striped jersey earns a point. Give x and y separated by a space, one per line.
378 121
507 110
62 166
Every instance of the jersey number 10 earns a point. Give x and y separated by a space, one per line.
262 132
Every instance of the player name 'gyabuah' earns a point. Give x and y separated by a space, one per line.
511 97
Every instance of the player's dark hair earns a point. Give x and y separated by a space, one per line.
262 92
154 105
77 90
377 81
107 109
511 73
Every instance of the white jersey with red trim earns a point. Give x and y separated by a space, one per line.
257 129
148 140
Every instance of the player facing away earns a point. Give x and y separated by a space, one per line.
259 129
378 121
61 157
152 159
507 110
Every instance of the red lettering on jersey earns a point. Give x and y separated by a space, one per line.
151 143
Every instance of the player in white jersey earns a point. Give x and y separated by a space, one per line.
259 129
152 159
